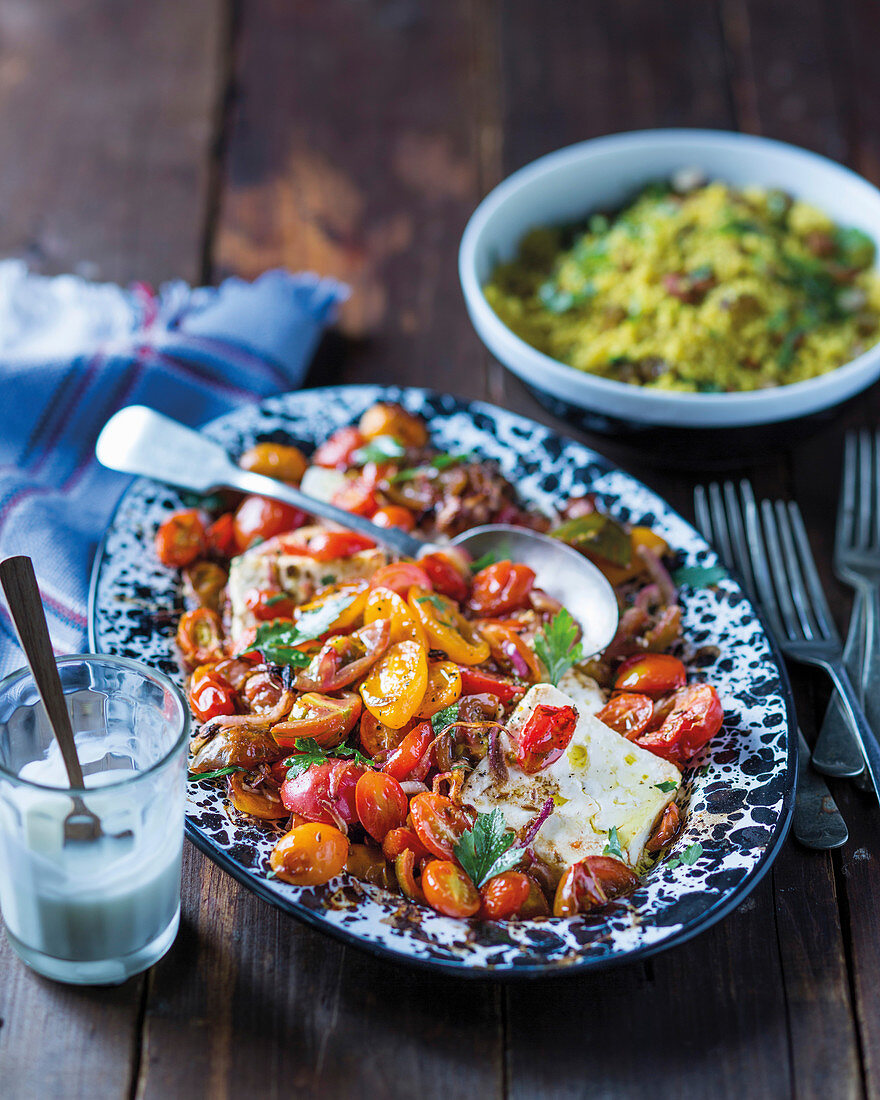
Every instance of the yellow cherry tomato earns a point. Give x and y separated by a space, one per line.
447 628
310 855
444 688
382 603
352 614
394 688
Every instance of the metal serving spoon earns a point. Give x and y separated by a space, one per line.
138 440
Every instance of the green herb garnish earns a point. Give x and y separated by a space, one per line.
448 716
612 848
309 752
489 558
197 777
699 576
487 849
666 786
438 462
557 645
381 449
689 856
278 641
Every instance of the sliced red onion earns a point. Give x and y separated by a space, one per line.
648 596
659 574
516 659
497 766
532 831
412 786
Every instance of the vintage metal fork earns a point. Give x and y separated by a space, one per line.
857 563
817 822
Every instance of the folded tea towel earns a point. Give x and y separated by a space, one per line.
73 352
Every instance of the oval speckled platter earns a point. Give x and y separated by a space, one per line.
738 795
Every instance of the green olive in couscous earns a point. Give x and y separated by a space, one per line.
698 287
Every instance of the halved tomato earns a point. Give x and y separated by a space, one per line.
400 577
696 716
590 883
628 713
448 889
261 800
328 719
500 588
181 539
447 628
344 658
653 674
383 603
330 545
449 573
335 452
410 752
438 822
394 688
200 636
324 787
444 688
310 854
380 803
546 736
260 518
210 695
474 681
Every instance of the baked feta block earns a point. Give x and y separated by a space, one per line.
601 782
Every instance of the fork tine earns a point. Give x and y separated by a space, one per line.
736 526
701 511
863 527
818 599
779 572
875 470
796 584
719 522
844 532
758 558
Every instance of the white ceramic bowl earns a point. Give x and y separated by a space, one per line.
603 173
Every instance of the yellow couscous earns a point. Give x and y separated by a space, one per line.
700 287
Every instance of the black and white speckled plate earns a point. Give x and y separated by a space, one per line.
738 796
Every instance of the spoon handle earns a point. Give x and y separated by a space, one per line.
26 607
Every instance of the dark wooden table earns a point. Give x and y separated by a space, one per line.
194 138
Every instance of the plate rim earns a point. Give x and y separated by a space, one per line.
461 969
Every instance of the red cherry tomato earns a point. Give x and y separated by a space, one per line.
400 840
262 518
501 588
381 804
181 539
356 496
330 545
695 718
408 754
400 577
504 895
476 682
628 713
336 452
221 536
653 674
590 883
438 823
323 786
394 515
447 574
266 604
210 695
448 889
546 737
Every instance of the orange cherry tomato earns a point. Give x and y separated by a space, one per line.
380 803
504 895
384 418
402 839
347 618
694 719
310 854
501 588
409 752
653 674
278 460
205 580
262 691
199 635
326 718
664 829
447 628
335 453
221 536
394 515
449 573
476 682
438 823
590 883
377 738
331 545
628 714
400 577
535 904
181 539
444 688
262 801
448 889
357 496
261 518
383 603
210 695
395 686
546 736
511 652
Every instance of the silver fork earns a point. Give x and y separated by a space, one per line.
857 563
816 822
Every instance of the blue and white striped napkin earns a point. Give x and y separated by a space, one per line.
73 352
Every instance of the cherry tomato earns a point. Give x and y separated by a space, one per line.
199 635
695 718
449 575
504 895
221 536
261 518
590 883
501 588
653 674
546 736
382 603
262 691
310 855
510 651
357 496
380 803
476 682
447 628
267 604
335 452
278 460
448 889
205 580
330 545
536 903
322 787
665 828
394 515
210 695
355 590
409 752
262 801
394 688
400 577
399 840
377 738
387 419
438 823
344 658
444 688
326 718
181 539
368 865
628 713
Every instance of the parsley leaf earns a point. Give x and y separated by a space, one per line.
612 848
556 647
309 752
692 854
666 786
197 777
487 849
448 716
380 449
489 558
438 462
699 576
277 641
